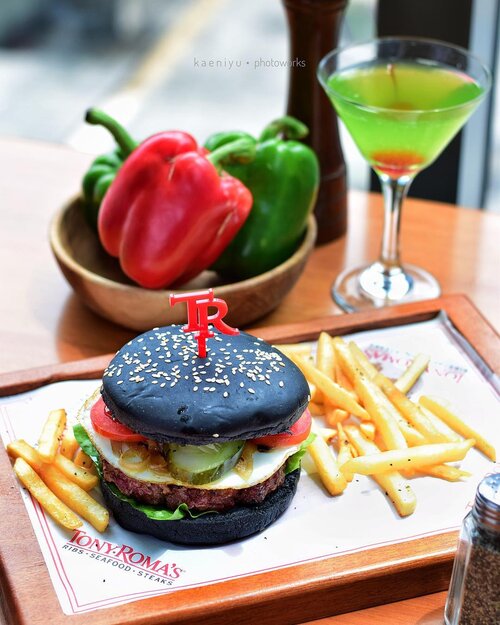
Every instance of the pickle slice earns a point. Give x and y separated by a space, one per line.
201 464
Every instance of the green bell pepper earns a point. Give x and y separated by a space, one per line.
283 179
104 168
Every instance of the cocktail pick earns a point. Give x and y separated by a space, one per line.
198 303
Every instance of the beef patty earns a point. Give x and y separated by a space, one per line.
197 499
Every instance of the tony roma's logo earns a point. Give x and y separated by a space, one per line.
124 557
383 355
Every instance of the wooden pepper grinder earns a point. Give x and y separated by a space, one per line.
314 27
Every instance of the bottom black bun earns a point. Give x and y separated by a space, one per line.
210 528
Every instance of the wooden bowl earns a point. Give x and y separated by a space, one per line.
100 283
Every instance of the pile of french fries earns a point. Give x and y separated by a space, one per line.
375 428
58 474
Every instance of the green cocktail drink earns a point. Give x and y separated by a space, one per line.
401 115
402 100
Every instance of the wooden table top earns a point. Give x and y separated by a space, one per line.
42 322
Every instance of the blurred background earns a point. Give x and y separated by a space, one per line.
147 62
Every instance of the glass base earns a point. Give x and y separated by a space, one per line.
375 286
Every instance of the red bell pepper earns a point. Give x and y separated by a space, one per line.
171 211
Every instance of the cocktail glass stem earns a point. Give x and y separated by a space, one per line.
394 192
386 279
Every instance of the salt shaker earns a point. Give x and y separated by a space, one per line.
474 593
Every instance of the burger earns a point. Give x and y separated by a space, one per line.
197 450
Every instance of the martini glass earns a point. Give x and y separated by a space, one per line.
402 100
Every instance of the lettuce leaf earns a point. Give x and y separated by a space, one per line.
88 446
156 513
293 462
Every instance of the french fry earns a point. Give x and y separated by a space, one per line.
348 364
441 426
69 445
307 463
330 389
316 394
445 472
340 415
75 497
82 460
392 483
21 449
455 423
343 377
45 497
344 453
327 434
325 356
368 429
329 472
412 436
398 459
410 411
325 361
334 415
48 442
317 410
301 349
379 441
76 474
412 373
343 380
382 413
369 369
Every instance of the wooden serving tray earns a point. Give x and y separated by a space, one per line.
289 595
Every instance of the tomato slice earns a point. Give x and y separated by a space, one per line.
295 435
105 425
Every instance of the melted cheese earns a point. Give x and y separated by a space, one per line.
264 463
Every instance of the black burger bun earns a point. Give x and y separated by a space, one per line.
211 528
157 385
